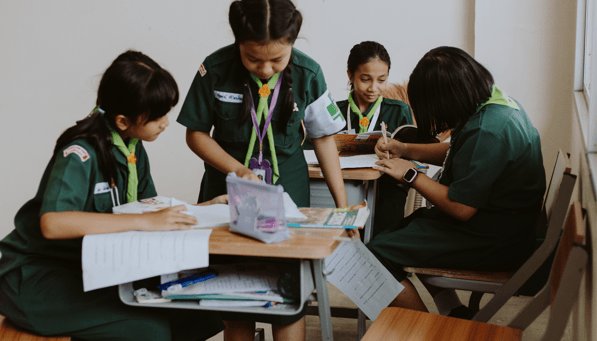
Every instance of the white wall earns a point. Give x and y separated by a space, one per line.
529 48
52 54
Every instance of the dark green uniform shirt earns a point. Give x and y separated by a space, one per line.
393 112
495 165
73 182
215 101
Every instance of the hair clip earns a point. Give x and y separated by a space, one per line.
100 110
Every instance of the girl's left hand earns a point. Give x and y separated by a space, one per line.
394 167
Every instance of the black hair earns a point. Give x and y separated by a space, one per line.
266 21
364 53
446 88
134 86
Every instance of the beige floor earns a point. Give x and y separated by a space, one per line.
346 329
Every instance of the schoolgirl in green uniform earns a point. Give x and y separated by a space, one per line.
368 68
256 94
487 201
97 164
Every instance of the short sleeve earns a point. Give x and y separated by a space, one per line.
146 187
478 163
322 116
69 181
197 110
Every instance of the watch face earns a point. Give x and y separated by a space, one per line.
410 175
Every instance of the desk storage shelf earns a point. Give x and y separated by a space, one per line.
307 285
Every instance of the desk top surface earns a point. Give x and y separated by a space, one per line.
348 174
305 244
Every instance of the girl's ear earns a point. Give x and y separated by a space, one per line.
349 76
122 123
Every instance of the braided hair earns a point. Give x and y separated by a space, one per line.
266 21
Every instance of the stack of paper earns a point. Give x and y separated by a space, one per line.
245 284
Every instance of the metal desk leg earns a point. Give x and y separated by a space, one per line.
370 196
323 302
371 193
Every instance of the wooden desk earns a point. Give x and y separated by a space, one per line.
311 250
360 183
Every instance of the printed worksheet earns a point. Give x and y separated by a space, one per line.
359 275
115 258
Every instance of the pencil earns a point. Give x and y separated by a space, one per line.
385 139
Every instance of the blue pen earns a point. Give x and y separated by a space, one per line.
190 280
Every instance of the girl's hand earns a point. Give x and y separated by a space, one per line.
394 167
395 147
170 218
246 173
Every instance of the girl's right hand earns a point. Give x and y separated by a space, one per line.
246 173
168 219
395 147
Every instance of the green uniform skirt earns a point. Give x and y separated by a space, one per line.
491 241
49 300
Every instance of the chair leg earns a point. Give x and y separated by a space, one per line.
475 300
361 325
259 334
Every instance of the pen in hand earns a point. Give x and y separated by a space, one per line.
385 139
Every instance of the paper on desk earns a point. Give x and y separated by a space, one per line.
358 161
207 216
310 157
116 258
346 162
360 276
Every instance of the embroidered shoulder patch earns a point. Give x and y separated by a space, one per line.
80 151
202 70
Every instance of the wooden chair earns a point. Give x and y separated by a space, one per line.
10 332
506 284
561 292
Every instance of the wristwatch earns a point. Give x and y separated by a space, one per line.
410 175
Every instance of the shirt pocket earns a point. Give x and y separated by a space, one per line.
102 202
228 125
291 133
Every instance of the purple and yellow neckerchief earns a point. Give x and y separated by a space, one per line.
363 121
262 109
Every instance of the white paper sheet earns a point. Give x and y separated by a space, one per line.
115 258
207 216
232 279
361 277
310 157
358 161
291 210
346 162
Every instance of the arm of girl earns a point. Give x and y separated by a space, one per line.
327 155
433 191
73 224
211 152
432 153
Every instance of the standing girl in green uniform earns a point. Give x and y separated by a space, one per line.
255 94
489 194
97 164
368 68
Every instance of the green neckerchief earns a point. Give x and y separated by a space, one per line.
355 109
129 154
262 109
498 97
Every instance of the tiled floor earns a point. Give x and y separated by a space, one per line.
346 329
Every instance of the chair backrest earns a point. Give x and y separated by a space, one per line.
566 274
561 167
574 234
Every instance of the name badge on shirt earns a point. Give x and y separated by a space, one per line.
101 187
228 97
